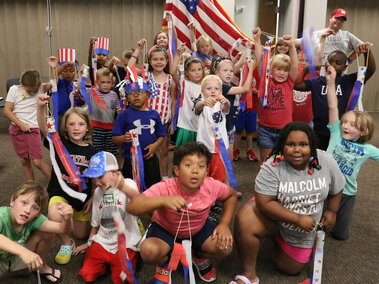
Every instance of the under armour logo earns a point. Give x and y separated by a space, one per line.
140 126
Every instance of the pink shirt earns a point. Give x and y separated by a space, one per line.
202 200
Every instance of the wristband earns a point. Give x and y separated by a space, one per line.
136 57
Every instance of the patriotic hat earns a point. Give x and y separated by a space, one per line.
138 85
65 55
102 46
340 13
99 164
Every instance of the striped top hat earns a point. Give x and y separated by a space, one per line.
102 46
65 55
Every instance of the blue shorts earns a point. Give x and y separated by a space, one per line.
267 137
246 120
156 231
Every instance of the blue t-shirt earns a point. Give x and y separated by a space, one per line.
64 90
148 124
344 86
350 156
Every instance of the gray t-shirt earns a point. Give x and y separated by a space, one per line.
300 192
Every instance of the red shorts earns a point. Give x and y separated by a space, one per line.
96 259
216 168
26 144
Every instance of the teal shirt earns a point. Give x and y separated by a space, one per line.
6 229
350 156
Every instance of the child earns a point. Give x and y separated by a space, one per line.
190 192
21 109
99 49
202 47
289 192
120 71
149 128
212 112
344 87
349 147
77 130
279 97
190 94
163 97
112 193
161 39
281 47
25 234
105 106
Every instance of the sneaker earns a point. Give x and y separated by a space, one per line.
171 147
236 154
239 195
162 275
64 254
251 155
204 268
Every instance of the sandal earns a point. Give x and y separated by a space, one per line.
50 274
243 279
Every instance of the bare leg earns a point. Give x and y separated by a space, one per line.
250 226
230 151
238 140
43 167
154 251
27 168
285 263
210 249
54 215
163 156
249 140
81 229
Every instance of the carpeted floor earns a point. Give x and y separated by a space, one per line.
352 261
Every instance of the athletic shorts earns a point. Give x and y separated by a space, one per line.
246 120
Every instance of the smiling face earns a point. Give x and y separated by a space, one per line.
162 40
76 128
282 48
195 72
158 60
24 209
336 23
338 61
205 48
349 127
279 74
191 172
297 150
225 71
106 181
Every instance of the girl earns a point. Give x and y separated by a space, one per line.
281 47
289 192
77 131
20 108
161 39
202 47
348 145
162 98
190 94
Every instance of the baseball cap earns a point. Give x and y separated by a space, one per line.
99 164
340 13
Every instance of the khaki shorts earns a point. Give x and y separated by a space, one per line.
14 265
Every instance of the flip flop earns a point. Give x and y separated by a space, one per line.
243 279
51 274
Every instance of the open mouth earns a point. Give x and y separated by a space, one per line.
194 180
24 217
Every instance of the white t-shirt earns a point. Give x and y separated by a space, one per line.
209 119
24 106
187 118
104 202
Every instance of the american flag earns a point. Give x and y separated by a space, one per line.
209 19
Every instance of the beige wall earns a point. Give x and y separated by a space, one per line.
22 28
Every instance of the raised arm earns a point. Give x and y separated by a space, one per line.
371 65
246 86
43 100
331 95
258 46
321 49
174 71
191 28
293 56
92 41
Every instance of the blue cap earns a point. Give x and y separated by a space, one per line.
99 164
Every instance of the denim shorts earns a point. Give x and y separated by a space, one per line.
267 137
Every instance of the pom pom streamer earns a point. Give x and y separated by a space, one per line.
137 162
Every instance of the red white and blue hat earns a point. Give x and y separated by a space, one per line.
65 55
99 164
102 46
138 85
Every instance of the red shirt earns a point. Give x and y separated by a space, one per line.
302 105
278 111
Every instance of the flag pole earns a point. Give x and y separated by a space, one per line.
49 29
277 21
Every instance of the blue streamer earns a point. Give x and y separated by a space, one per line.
130 267
185 270
309 52
54 98
83 93
354 96
228 164
141 169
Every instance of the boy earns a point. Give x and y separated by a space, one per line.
112 193
276 110
24 242
344 87
212 122
191 192
120 71
149 128
98 52
105 106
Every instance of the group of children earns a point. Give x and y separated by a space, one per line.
127 107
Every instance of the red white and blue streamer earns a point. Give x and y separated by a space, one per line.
137 162
83 89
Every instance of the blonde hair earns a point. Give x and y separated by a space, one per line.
103 72
210 78
203 39
84 115
30 78
41 197
280 61
364 123
217 65
183 57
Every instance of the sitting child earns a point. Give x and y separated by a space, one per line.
193 193
25 236
111 194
